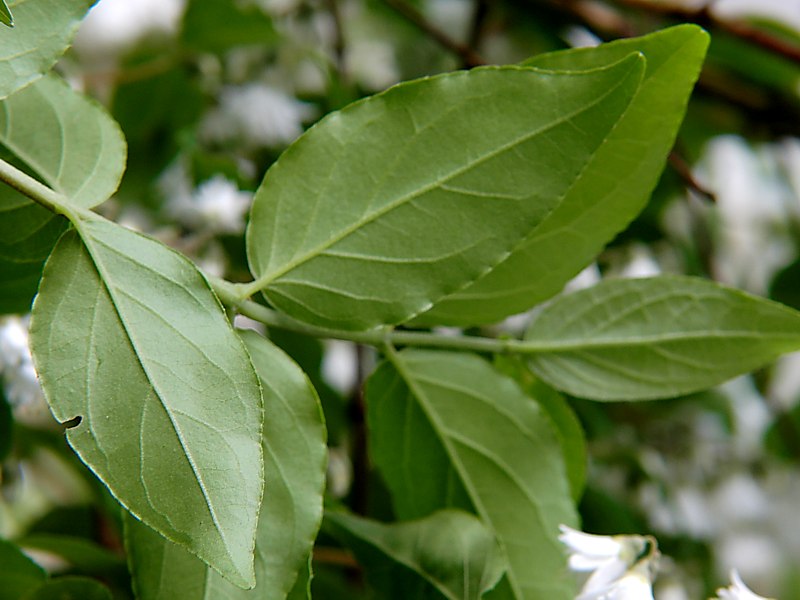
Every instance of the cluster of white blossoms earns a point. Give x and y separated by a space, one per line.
216 205
17 374
623 567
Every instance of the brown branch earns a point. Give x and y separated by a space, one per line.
468 56
705 16
338 26
335 556
681 167
476 28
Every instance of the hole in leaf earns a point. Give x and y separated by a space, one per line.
74 422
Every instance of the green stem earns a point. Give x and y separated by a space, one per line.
229 294
40 193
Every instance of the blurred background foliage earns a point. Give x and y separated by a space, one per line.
209 92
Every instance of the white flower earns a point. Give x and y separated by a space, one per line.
222 205
216 205
16 365
622 566
257 114
737 590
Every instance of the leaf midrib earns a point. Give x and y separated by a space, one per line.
269 277
399 364
87 238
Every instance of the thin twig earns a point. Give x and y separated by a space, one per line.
681 167
334 556
477 26
468 56
338 40
704 15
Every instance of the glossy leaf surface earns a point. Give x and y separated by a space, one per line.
447 430
43 30
398 200
6 18
633 339
294 473
449 554
70 144
612 189
127 335
567 427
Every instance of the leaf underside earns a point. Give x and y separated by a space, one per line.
69 143
403 198
447 430
127 335
294 473
449 554
611 190
637 339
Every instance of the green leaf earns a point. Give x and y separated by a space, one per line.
400 199
607 194
449 554
219 25
567 427
635 339
81 553
302 585
69 143
28 233
67 140
43 31
18 573
294 472
6 18
70 588
127 335
447 430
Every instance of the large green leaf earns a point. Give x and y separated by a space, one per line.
294 472
69 143
403 198
609 192
447 430
632 339
18 573
449 554
43 31
566 424
127 335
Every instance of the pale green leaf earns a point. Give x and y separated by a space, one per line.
43 30
398 200
69 588
612 189
18 573
127 335
448 554
67 140
634 339
294 472
69 143
6 18
566 424
447 430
